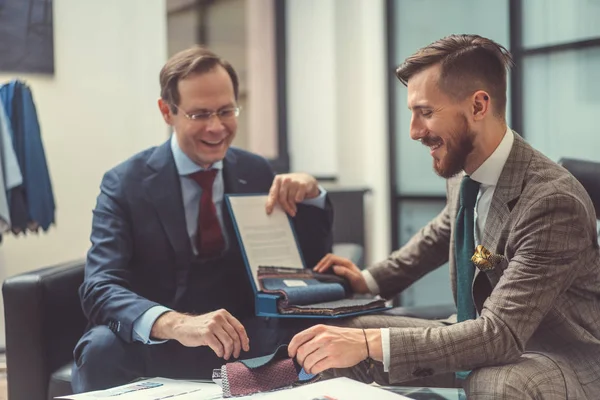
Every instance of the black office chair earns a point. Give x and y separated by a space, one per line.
588 174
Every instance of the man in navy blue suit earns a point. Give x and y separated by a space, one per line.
166 291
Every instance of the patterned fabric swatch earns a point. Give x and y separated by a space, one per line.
261 374
239 380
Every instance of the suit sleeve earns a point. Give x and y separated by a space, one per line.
424 252
106 295
551 243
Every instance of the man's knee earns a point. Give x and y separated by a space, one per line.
98 345
533 376
100 358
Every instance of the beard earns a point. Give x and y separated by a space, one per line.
458 147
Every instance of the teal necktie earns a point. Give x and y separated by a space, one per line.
464 247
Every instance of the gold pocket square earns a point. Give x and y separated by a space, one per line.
484 259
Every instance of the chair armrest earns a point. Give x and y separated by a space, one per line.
44 320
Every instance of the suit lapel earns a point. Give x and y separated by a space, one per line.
163 188
233 184
507 192
230 173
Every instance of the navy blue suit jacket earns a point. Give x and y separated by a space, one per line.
141 252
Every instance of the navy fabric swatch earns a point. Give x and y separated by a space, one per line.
309 291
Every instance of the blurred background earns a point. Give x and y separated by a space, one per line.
317 90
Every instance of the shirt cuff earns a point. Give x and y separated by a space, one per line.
143 325
385 347
371 283
318 201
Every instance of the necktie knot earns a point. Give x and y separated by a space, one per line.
468 192
205 178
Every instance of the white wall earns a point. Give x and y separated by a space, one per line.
98 109
261 78
311 79
337 101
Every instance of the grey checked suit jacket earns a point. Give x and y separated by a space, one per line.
544 296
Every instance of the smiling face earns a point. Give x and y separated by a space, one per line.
204 142
440 123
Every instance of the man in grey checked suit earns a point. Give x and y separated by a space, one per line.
536 331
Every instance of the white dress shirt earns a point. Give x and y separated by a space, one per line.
487 175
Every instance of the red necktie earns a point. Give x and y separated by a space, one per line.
209 239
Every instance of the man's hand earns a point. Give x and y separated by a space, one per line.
219 330
289 189
345 268
322 347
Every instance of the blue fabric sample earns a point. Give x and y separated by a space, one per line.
308 291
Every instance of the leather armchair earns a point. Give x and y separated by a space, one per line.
44 321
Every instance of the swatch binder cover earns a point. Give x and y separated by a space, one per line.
282 285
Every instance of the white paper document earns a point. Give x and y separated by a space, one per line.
267 239
154 389
163 388
334 389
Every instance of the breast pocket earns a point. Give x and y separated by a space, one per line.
497 271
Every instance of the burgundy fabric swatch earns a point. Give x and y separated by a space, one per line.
239 380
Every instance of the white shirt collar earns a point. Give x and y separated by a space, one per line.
489 172
184 165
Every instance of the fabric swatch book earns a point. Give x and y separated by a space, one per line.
282 284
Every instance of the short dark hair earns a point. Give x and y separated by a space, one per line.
195 60
468 63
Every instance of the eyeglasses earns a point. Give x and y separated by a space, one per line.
224 114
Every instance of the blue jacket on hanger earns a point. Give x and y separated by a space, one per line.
19 216
11 176
27 141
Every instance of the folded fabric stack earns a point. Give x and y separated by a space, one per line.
303 292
